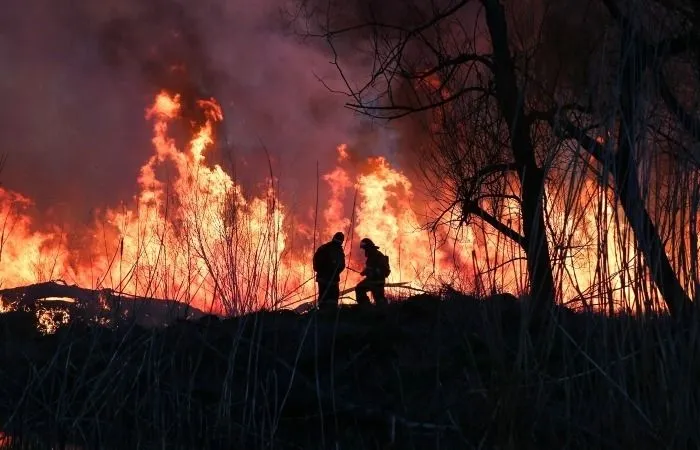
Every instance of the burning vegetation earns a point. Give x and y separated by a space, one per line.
539 210
194 236
464 212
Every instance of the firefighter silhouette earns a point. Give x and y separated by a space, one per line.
376 271
329 262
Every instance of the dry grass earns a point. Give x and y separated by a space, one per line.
454 372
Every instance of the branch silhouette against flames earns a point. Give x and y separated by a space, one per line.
194 219
530 168
515 106
193 232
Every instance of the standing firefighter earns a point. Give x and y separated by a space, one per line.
329 262
375 272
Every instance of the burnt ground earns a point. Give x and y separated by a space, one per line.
428 372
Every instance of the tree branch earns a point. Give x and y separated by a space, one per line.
566 129
450 62
594 148
667 47
472 208
495 168
404 110
690 123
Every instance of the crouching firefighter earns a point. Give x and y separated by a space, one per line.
329 262
376 271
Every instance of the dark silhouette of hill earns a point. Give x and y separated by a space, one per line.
428 372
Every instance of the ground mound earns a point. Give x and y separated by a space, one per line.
429 372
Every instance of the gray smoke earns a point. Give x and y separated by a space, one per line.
77 77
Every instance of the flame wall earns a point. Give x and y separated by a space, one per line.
241 163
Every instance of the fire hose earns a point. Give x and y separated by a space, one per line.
311 278
404 285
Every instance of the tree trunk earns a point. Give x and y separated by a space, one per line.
628 189
531 176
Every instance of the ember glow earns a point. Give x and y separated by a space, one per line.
5 440
193 235
50 320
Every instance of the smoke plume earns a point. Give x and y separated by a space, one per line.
79 75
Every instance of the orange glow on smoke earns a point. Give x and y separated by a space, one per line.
343 152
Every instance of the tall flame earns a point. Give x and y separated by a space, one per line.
194 235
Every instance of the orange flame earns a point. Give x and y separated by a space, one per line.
343 152
196 237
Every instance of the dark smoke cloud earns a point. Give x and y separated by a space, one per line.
163 41
78 76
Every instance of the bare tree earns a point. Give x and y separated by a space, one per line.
465 66
437 59
637 87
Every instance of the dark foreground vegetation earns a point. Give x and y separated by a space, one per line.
430 372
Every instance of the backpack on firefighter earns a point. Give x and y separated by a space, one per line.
385 266
380 261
